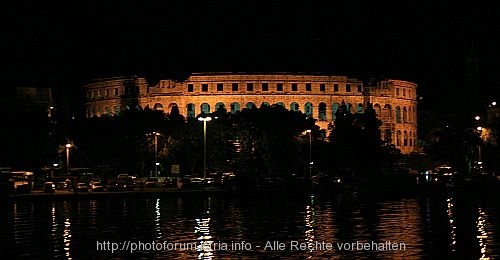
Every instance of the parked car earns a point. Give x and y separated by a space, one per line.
82 187
128 185
96 186
114 186
61 185
151 182
196 182
49 187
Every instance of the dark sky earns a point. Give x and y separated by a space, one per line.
52 43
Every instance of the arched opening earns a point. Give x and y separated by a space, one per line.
265 104
405 138
410 136
280 104
191 110
410 114
335 107
158 106
378 110
219 106
294 106
308 109
349 107
235 107
108 111
171 106
359 108
388 136
405 115
398 138
388 111
205 108
398 114
250 105
322 111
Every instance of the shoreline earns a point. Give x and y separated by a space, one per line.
67 195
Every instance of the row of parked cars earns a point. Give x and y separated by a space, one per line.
93 186
51 187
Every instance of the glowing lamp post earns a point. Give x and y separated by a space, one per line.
156 134
155 143
53 168
205 120
480 131
310 152
67 158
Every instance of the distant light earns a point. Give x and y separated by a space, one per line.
157 163
68 145
308 130
51 107
55 164
479 162
477 118
311 163
494 103
479 128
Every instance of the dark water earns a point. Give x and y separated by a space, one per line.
448 226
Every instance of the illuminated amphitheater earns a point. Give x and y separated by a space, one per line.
319 96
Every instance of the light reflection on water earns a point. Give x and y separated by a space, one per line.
429 227
453 228
157 220
310 225
202 231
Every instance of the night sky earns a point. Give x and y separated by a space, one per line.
65 44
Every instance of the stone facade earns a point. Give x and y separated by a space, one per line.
319 96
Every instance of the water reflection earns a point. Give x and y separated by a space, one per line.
398 223
60 228
67 238
482 234
202 231
157 219
431 226
310 224
453 229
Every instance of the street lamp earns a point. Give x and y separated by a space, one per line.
53 168
156 134
205 120
310 152
68 145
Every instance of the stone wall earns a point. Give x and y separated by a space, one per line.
395 101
